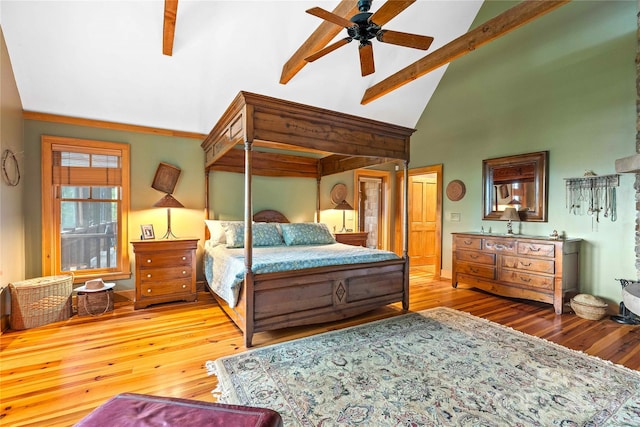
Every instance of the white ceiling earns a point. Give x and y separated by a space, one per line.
103 59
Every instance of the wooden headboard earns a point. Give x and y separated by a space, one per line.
269 215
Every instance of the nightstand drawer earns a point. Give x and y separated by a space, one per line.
163 259
155 274
171 287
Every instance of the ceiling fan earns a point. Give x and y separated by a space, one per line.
365 26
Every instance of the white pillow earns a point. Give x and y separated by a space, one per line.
217 231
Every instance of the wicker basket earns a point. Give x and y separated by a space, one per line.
36 302
589 307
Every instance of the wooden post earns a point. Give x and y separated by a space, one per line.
405 235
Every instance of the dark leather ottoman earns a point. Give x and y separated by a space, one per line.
141 410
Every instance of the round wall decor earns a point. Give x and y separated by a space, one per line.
338 193
456 190
10 168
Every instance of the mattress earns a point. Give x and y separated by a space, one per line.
224 267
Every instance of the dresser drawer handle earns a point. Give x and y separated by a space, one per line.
184 272
473 256
525 280
184 258
474 270
184 286
148 261
534 249
148 275
149 290
525 265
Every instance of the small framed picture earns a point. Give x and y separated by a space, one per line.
147 232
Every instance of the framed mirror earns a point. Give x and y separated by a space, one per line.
517 181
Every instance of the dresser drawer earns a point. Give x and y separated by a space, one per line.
500 245
464 242
479 257
529 264
169 287
163 259
154 274
537 249
478 270
526 279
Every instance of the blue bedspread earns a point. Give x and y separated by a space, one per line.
224 268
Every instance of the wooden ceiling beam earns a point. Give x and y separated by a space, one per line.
321 37
169 27
494 28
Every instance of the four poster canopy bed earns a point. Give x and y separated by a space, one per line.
271 287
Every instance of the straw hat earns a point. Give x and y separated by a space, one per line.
95 285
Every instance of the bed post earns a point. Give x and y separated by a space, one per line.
248 244
207 234
405 234
318 199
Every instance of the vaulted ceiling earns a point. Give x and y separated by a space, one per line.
104 60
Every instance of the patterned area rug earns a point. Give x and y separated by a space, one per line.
439 367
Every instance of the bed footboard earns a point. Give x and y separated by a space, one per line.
303 297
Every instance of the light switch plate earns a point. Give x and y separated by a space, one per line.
454 216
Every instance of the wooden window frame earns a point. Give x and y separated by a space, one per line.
51 251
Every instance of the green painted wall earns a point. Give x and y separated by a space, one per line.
295 197
563 83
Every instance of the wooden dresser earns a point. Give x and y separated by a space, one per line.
356 238
528 267
165 271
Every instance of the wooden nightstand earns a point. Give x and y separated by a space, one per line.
357 238
165 271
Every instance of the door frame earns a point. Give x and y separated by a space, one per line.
426 170
385 236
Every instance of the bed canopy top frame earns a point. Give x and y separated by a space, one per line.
327 142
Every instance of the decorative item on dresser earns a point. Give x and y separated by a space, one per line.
536 268
165 271
357 238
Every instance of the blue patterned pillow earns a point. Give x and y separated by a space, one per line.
264 234
306 233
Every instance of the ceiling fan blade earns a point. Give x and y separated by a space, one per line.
322 52
331 17
366 59
405 39
321 37
389 10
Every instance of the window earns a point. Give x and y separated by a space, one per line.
85 206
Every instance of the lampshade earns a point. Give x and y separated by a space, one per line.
510 214
168 201
343 206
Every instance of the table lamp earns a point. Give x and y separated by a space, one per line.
510 214
343 206
168 201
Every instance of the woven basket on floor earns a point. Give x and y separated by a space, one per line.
589 307
95 303
36 302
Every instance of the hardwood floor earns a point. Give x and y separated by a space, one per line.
56 374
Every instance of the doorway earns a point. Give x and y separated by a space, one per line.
372 211
425 218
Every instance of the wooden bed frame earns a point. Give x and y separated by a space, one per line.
277 300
